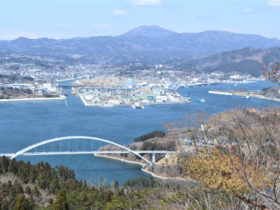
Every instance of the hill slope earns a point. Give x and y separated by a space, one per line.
245 61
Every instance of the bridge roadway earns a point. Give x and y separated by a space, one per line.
25 150
153 152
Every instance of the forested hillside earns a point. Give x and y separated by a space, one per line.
244 61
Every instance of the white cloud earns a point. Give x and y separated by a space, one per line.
274 3
119 12
145 2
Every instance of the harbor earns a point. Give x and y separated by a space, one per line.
137 99
114 91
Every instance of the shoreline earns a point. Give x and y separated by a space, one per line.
243 94
119 159
163 177
32 99
129 105
142 168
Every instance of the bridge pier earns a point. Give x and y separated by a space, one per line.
153 157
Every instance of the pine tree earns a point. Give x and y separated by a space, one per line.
116 186
61 201
22 203
108 196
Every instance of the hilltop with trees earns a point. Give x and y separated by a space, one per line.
25 187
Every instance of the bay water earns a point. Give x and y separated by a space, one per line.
26 123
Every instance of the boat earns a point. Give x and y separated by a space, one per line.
140 107
247 97
188 100
202 100
137 106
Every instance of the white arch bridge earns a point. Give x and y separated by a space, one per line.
125 150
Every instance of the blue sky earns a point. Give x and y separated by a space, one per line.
84 18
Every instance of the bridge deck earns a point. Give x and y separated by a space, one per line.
88 152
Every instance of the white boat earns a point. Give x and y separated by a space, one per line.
137 106
188 99
247 97
202 100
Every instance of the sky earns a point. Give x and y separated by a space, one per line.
84 18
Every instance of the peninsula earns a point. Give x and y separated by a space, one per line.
272 93
19 88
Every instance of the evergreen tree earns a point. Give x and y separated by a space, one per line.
27 190
61 201
116 186
22 203
108 196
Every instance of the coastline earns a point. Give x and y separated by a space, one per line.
142 168
84 101
119 159
243 94
129 105
32 99
163 177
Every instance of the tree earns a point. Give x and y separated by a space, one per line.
272 72
22 203
154 134
35 192
27 190
116 186
61 201
247 164
215 169
108 196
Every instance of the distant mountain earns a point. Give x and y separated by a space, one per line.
148 32
245 61
146 44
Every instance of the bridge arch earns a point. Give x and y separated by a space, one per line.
76 137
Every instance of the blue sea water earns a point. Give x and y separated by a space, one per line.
26 123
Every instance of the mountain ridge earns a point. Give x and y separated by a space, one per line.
146 44
145 28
